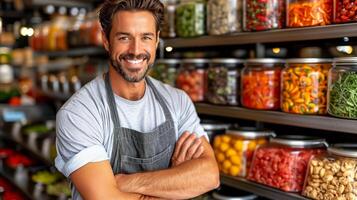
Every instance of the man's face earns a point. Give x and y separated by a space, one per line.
132 44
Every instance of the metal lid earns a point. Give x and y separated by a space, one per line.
264 60
213 127
222 197
229 193
309 60
195 60
251 132
299 141
168 61
226 61
345 60
347 150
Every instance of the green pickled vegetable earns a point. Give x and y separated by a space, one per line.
58 189
343 96
39 128
46 177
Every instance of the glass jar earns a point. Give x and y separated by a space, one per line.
190 18
259 15
223 81
165 70
95 31
168 28
283 162
57 34
342 86
191 78
333 175
214 128
260 83
234 150
301 13
224 16
304 86
344 11
74 39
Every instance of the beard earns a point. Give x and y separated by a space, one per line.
132 76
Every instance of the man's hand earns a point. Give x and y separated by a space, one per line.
187 147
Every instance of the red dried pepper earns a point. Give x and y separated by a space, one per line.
345 11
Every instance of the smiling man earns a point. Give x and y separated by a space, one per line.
125 135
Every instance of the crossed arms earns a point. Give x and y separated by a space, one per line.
193 172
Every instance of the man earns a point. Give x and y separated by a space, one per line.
117 135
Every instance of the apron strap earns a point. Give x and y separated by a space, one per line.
111 100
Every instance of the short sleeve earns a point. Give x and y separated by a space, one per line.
188 118
78 141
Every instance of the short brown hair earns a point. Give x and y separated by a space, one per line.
111 7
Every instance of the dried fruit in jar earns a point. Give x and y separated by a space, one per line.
282 168
190 19
193 83
264 14
304 88
309 13
345 11
261 89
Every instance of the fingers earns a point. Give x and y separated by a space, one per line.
179 143
198 153
193 148
185 146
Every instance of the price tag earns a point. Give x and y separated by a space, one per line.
13 116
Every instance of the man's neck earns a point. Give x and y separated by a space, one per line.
125 89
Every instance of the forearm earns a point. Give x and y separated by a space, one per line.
184 181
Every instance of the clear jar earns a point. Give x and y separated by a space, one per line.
344 11
191 78
190 18
166 70
214 128
224 16
260 83
283 162
168 29
333 175
234 150
223 81
57 35
301 13
342 86
259 15
74 38
95 31
304 86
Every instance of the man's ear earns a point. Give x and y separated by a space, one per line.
157 39
105 41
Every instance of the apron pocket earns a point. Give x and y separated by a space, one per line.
161 160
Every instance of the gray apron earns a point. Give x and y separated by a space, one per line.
134 151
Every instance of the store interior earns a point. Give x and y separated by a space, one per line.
273 81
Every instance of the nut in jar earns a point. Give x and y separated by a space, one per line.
234 150
304 86
333 175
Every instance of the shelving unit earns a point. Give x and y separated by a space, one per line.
85 51
271 36
11 179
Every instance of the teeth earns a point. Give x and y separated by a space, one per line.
135 61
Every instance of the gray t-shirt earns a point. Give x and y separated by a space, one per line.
84 127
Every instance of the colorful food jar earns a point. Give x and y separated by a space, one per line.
190 18
191 78
333 175
283 162
223 81
213 128
259 15
304 86
344 11
224 16
234 150
166 70
342 84
260 83
301 13
168 28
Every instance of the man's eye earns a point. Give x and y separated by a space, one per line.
147 38
123 38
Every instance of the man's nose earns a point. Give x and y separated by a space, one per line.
134 47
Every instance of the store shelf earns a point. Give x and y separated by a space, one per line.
12 14
259 189
11 179
271 36
275 117
56 95
85 51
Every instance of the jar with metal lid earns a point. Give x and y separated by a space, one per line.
260 83
344 11
259 15
342 84
214 128
191 78
304 85
301 13
190 18
229 193
333 175
223 81
166 70
234 150
168 28
224 16
283 162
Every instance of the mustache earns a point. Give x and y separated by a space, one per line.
130 56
